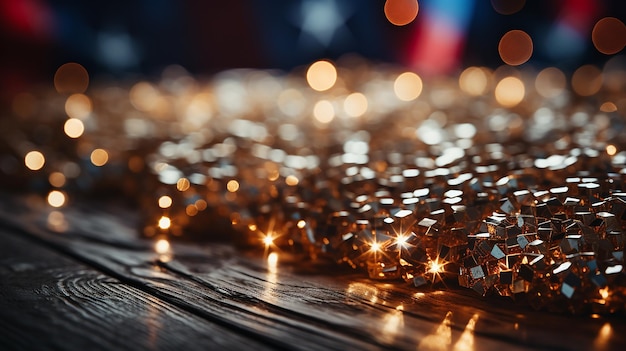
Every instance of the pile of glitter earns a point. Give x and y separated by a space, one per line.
458 182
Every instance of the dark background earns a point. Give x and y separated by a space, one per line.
121 38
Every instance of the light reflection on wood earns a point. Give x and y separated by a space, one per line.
441 339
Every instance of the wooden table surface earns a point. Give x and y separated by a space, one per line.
92 283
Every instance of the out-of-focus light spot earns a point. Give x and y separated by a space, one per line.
162 246
56 198
71 169
56 179
117 50
183 184
198 112
74 128
355 105
291 180
34 160
201 205
301 223
323 111
191 210
164 222
165 201
465 130
473 81
510 91
356 147
430 132
587 80
550 82
611 150
565 39
321 20
321 75
608 107
408 86
71 78
515 47
99 157
57 222
232 186
401 12
609 35
144 96
604 292
291 102
507 7
78 106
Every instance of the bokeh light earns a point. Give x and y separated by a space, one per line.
510 91
291 102
323 111
201 205
609 35
401 12
232 186
162 246
473 81
587 80
191 210
321 75
164 222
56 179
144 97
515 47
165 201
183 184
71 78
355 105
78 106
74 128
408 86
611 150
34 160
292 180
608 107
507 7
99 157
550 82
56 198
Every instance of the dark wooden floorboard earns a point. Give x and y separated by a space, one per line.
288 307
48 301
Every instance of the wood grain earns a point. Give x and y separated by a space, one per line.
293 306
48 301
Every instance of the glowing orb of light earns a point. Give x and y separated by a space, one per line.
401 12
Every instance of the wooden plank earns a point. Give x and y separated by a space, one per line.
48 301
289 307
